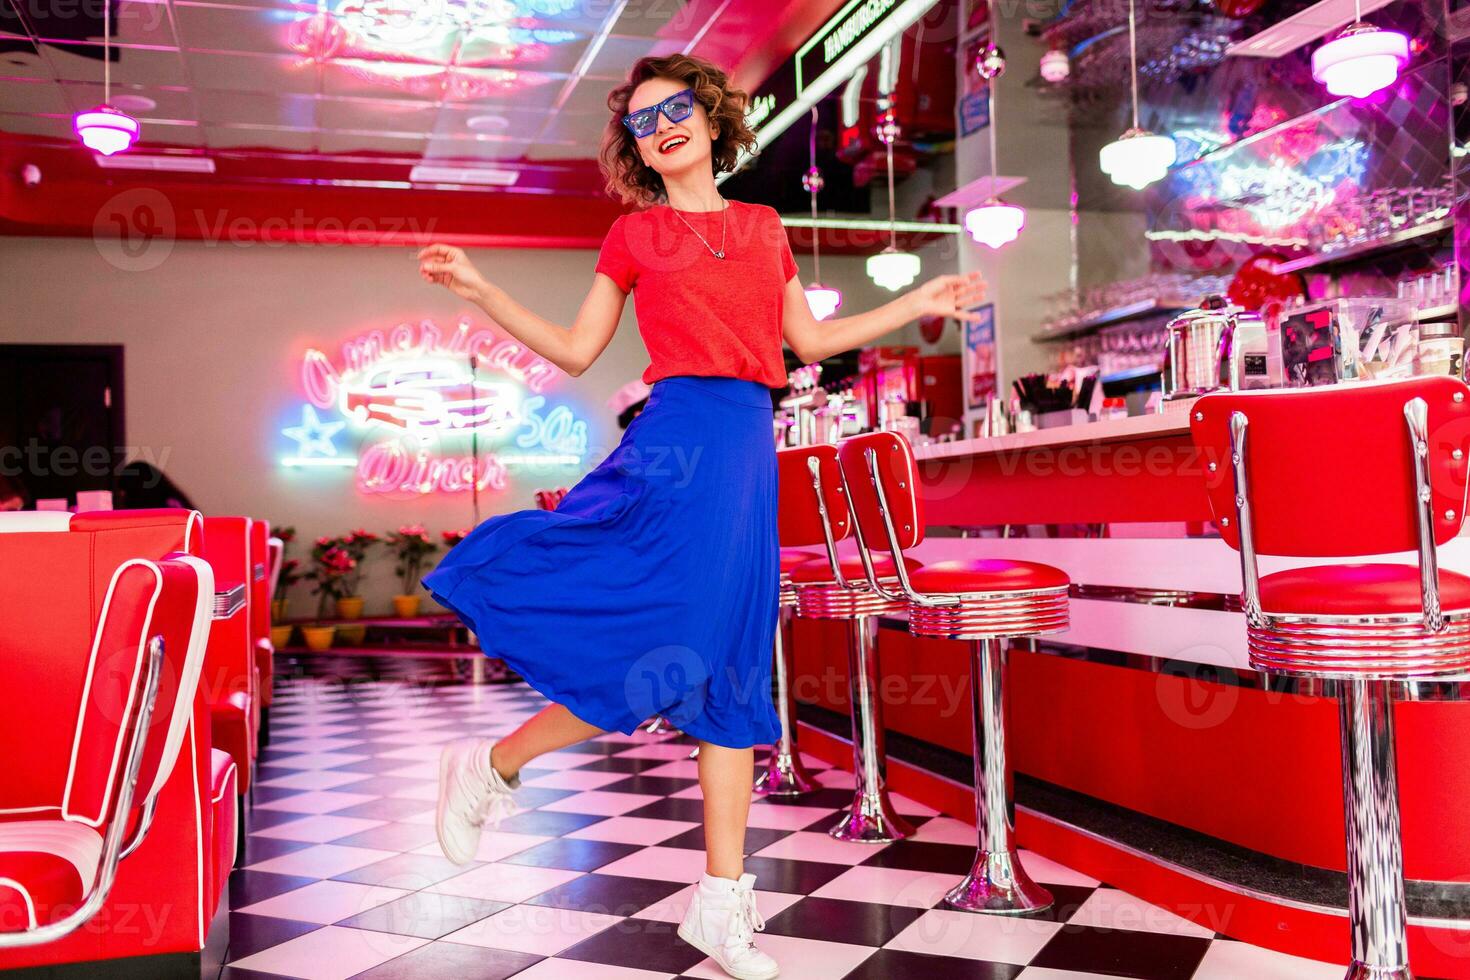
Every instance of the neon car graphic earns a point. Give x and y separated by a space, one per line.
429 396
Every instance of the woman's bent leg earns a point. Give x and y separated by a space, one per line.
551 728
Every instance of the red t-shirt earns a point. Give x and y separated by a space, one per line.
698 314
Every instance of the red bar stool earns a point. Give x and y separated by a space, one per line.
785 775
814 510
1279 465
982 602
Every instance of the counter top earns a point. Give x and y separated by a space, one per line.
1108 430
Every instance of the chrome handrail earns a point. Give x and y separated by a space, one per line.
1416 415
814 465
1250 573
870 456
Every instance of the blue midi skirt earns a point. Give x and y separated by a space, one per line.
652 588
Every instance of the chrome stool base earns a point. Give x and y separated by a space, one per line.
1362 971
997 884
1376 908
871 818
785 775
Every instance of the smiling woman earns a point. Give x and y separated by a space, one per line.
666 578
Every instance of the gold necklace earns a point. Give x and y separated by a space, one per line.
717 253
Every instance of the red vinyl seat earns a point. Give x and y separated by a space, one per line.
791 557
47 868
987 575
820 570
1357 590
79 657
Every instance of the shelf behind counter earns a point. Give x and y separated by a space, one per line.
1129 470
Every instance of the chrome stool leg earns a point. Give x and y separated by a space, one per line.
785 775
1375 857
871 819
660 726
997 883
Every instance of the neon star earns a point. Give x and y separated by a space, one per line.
313 436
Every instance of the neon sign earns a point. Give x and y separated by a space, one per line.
431 411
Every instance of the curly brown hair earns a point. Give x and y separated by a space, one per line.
627 177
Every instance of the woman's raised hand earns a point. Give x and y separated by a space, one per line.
950 296
450 267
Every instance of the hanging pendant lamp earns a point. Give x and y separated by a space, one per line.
105 129
1361 60
994 223
891 268
823 300
1138 157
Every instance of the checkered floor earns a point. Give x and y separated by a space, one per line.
341 875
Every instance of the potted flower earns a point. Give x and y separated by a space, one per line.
331 567
410 545
357 544
291 573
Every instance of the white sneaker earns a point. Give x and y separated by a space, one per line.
722 922
471 792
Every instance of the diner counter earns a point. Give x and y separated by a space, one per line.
1106 430
1147 752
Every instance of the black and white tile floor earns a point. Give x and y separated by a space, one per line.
341 875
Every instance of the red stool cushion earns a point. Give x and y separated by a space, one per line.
1357 590
46 869
791 557
815 572
988 575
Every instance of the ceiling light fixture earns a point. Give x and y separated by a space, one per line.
994 223
1138 157
105 129
1361 59
891 268
823 300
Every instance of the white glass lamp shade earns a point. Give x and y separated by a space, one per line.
106 130
1360 61
823 300
995 223
893 269
1137 158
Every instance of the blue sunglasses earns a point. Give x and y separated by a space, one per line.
676 108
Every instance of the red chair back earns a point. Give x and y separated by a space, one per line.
1330 470
899 474
230 661
90 602
799 520
260 581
